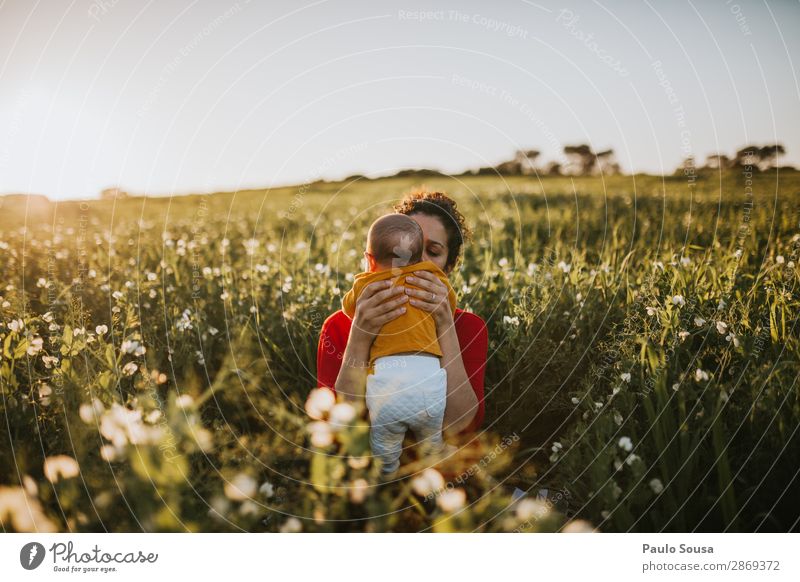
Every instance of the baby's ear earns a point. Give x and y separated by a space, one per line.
371 262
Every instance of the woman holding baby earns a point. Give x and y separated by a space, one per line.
343 353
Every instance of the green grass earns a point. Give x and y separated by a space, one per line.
588 267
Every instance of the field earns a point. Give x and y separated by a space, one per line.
643 359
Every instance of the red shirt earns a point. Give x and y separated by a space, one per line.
472 337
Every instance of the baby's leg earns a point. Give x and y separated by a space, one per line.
427 424
386 441
387 415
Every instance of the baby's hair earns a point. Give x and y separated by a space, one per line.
395 240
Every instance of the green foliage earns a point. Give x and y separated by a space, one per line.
643 356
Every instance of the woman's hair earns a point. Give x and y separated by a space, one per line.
443 207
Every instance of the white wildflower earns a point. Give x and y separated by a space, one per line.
60 467
35 346
241 487
341 415
452 500
530 509
292 525
111 453
358 490
319 402
45 392
133 347
578 526
184 401
656 486
267 489
321 434
625 443
428 482
89 413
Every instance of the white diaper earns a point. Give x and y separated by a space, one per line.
405 392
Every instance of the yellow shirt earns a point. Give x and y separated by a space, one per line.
415 330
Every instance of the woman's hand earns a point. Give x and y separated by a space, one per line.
432 296
379 303
462 403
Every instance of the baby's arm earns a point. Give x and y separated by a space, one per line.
349 303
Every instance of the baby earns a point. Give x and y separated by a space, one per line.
407 387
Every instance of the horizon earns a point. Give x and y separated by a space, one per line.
128 194
180 99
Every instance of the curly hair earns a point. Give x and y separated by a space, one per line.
443 207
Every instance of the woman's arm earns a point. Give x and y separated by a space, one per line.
378 304
462 402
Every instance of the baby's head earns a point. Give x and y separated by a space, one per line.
394 241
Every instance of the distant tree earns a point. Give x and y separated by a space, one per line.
553 169
718 162
606 163
526 161
580 159
748 156
769 155
687 168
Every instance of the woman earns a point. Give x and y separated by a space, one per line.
343 350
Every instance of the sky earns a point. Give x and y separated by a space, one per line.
165 98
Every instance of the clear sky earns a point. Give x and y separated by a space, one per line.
165 97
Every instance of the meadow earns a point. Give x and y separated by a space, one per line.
157 355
